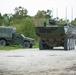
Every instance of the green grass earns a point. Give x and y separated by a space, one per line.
14 47
11 47
36 46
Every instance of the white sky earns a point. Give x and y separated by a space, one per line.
8 6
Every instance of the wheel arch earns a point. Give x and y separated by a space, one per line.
3 39
25 41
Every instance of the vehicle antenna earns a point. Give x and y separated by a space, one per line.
66 14
57 13
72 13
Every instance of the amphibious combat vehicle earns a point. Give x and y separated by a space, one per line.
55 35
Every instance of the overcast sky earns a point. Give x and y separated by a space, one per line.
7 6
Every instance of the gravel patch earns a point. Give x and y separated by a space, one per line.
38 62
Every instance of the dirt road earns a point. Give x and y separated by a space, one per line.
36 62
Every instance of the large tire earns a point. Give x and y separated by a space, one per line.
41 45
67 44
70 45
73 43
3 42
26 44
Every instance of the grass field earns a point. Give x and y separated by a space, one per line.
13 47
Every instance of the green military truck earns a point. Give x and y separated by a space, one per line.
54 36
9 36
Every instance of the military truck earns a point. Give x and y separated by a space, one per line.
9 36
54 35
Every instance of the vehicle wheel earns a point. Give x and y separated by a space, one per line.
26 45
73 44
67 44
3 42
41 45
70 45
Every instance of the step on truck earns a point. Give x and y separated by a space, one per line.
9 36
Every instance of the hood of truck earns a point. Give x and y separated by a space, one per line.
25 37
28 38
31 40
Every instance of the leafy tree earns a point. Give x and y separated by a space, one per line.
1 19
74 22
61 22
6 19
20 12
27 26
42 16
48 16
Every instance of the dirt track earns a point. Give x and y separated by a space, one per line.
36 62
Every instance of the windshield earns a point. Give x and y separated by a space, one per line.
22 35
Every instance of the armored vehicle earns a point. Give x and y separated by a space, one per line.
9 36
56 35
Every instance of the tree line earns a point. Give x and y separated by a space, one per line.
25 23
